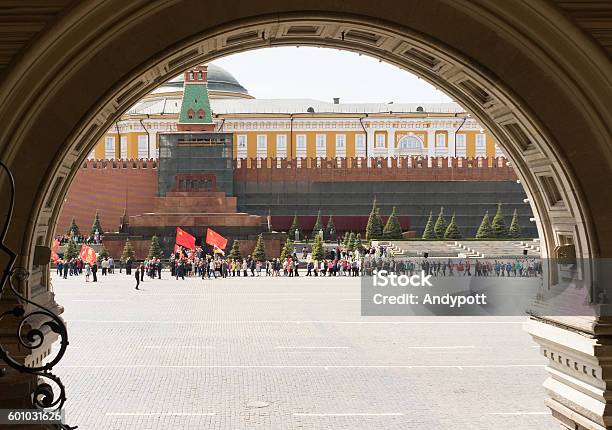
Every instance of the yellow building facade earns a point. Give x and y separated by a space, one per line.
289 128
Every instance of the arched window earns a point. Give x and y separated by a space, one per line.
201 113
190 113
410 145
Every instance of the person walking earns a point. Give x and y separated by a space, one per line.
137 276
142 272
87 272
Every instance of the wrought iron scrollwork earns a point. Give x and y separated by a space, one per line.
31 336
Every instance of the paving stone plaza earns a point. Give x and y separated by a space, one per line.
286 353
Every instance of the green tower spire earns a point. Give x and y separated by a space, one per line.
196 114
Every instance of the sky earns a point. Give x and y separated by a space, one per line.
323 73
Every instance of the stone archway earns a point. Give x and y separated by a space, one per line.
522 68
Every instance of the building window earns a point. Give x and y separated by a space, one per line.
410 145
360 145
262 146
109 147
340 145
281 145
143 146
460 145
123 147
498 151
241 146
440 140
481 145
321 143
380 140
300 145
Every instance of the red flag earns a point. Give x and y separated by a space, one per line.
215 239
56 245
54 256
185 239
88 254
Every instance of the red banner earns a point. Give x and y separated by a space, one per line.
215 239
185 239
88 254
56 245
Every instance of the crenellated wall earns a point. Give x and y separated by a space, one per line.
112 185
373 169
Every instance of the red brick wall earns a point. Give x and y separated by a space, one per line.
104 186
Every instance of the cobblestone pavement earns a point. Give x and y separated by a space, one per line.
274 353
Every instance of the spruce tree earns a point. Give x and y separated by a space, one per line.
429 232
96 225
393 229
317 249
73 230
295 226
498 226
452 231
359 244
346 239
259 253
287 250
330 230
155 250
318 226
374 227
71 251
440 226
515 228
234 253
484 231
102 254
128 251
379 224
351 242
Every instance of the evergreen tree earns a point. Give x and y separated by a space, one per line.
351 242
440 226
128 251
287 250
429 232
484 231
102 254
359 244
259 253
374 229
71 251
346 239
295 226
155 250
96 225
330 230
515 228
452 231
318 226
317 249
234 253
393 229
498 226
379 223
73 230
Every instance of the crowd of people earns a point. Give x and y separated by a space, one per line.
337 262
92 239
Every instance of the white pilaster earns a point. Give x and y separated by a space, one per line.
431 142
451 143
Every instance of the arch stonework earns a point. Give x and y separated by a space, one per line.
540 85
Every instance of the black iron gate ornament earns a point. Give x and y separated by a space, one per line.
30 337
